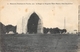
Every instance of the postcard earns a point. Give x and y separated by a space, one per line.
39 26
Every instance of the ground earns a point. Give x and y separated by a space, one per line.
40 43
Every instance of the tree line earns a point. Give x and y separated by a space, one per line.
7 28
54 30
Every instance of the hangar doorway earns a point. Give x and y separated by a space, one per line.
32 25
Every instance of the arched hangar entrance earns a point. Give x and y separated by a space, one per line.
34 24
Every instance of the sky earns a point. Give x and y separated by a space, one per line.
52 15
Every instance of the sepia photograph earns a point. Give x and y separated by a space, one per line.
39 26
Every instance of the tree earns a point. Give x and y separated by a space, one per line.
2 28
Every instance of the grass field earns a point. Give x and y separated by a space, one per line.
40 43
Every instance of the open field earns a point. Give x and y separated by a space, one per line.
40 43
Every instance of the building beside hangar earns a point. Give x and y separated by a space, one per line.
30 24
